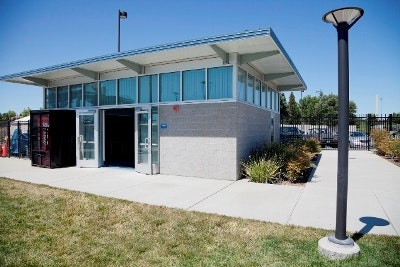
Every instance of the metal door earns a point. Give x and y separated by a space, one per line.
143 140
87 138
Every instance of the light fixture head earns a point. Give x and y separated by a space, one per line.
348 15
123 14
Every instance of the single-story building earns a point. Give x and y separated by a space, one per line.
192 108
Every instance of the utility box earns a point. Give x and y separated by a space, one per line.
52 136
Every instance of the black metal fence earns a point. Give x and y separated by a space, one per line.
14 139
325 128
14 135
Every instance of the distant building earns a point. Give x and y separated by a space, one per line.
192 108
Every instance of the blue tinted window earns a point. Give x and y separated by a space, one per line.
269 97
241 85
219 82
257 92
264 95
148 89
108 92
194 85
62 97
90 94
250 89
170 89
127 91
75 98
50 99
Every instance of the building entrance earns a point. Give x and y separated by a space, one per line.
119 137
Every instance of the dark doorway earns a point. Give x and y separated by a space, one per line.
119 139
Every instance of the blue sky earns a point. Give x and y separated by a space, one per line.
42 33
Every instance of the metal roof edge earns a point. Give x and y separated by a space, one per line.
151 49
280 46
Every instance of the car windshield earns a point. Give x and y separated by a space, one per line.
291 130
322 130
357 134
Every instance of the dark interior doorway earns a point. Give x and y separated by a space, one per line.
119 137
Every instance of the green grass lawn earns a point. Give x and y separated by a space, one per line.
43 226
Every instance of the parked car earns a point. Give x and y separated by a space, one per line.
324 136
290 132
359 139
395 133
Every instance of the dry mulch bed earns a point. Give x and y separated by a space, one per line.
395 161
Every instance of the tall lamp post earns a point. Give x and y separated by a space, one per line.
121 15
342 19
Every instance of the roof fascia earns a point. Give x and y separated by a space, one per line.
153 49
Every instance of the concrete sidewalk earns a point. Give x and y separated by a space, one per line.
373 200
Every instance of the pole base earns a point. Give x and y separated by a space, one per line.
338 250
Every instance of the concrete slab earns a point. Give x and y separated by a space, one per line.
266 202
316 208
373 197
366 194
172 191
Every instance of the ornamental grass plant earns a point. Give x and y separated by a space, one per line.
277 162
262 170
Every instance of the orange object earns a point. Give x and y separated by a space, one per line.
4 153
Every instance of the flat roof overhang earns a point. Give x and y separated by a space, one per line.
259 48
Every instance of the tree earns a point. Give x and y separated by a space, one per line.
293 110
26 112
284 107
307 106
323 106
396 118
8 116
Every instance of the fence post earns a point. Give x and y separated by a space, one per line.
319 127
19 139
390 122
29 140
8 137
368 130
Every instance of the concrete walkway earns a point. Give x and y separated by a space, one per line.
373 199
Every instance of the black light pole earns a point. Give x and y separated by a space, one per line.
121 15
343 19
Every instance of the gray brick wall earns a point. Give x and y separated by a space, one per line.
254 128
209 140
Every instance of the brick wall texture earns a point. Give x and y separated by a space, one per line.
209 140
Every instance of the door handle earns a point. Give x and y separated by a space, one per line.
80 145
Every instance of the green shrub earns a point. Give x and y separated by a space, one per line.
273 162
262 170
395 148
298 160
298 166
382 140
312 145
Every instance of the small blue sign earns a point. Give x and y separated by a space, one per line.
164 126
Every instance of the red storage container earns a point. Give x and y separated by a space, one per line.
52 138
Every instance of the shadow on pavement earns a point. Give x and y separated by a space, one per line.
314 169
370 222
